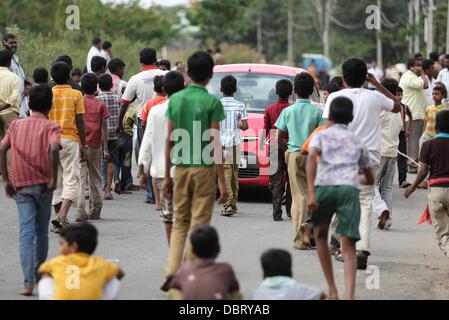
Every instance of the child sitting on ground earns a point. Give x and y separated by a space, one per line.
278 281
203 278
434 158
76 274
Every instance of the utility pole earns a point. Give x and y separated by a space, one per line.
259 35
417 25
326 32
378 36
430 27
410 26
290 34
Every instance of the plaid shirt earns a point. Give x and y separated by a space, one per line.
30 140
112 101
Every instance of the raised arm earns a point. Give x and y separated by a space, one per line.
379 87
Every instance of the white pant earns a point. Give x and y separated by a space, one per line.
46 289
383 198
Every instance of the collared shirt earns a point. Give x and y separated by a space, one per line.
391 127
93 52
368 106
430 119
414 95
429 91
299 120
443 76
272 113
24 109
192 112
105 55
96 113
30 140
73 84
150 104
10 85
152 149
204 279
285 288
112 101
342 154
141 87
230 127
67 103
16 68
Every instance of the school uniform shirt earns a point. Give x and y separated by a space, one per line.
141 86
93 273
230 127
30 140
112 102
414 95
204 279
272 113
67 103
368 106
299 120
96 112
435 153
10 86
285 288
342 155
443 76
430 119
391 127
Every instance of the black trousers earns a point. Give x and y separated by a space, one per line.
402 161
279 183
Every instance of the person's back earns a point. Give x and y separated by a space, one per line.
10 86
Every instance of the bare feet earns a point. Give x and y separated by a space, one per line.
306 234
383 220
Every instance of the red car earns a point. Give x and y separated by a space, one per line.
256 88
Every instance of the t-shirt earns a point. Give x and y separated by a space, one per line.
141 87
430 118
391 127
96 112
79 276
130 120
192 112
299 120
203 279
150 104
368 106
230 127
342 154
285 288
67 103
435 153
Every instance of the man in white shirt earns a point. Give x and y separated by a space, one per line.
106 52
152 152
444 74
429 69
391 126
94 51
368 106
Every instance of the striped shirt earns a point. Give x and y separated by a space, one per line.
67 103
430 119
112 101
30 140
230 127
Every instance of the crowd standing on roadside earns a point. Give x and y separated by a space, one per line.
70 135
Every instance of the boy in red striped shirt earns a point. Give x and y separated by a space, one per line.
34 143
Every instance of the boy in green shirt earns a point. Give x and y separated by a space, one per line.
194 148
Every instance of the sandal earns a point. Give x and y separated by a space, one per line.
339 256
229 212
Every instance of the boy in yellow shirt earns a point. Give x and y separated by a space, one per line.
439 93
76 274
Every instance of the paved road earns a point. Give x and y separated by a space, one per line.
410 263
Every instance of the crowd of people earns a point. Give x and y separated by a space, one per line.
333 163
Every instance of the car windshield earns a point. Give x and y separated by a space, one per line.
255 90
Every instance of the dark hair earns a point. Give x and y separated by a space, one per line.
200 66
89 83
98 63
205 243
148 56
115 64
446 56
229 85
341 110
166 63
105 82
304 85
8 36
76 72
355 72
96 41
399 90
435 56
83 234
40 75
60 72
339 81
173 82
332 87
64 58
391 85
276 262
41 98
441 88
107 45
284 88
27 83
412 62
5 58
419 56
442 121
159 84
427 64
